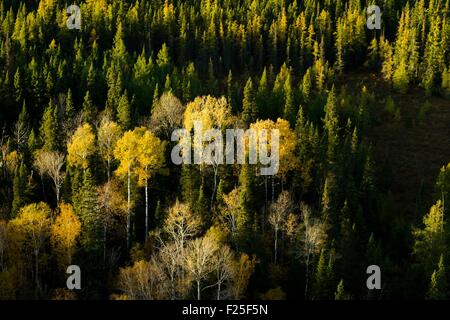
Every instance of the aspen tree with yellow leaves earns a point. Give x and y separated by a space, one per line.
32 229
108 134
81 146
65 231
127 153
150 160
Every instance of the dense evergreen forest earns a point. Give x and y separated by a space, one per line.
86 176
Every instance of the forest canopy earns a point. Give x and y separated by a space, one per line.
86 177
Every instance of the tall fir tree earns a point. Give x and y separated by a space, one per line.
49 128
249 106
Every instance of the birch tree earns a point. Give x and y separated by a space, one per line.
279 212
51 163
150 160
312 239
126 152
108 134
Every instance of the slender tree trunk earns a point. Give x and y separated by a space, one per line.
214 189
43 188
276 246
146 209
198 290
273 189
218 290
57 194
129 210
108 167
265 206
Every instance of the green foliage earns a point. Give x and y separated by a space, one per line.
21 189
301 61
49 128
438 286
124 112
249 106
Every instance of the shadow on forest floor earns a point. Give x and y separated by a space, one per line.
415 149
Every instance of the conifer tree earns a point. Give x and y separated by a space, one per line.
85 205
21 190
263 95
323 277
124 112
250 111
70 107
49 127
438 289
290 111
341 294
445 84
89 110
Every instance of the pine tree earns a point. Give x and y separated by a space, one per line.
163 62
33 141
373 55
230 92
340 45
89 110
155 97
70 107
387 56
331 126
263 96
290 111
306 85
21 190
430 241
445 84
124 112
85 206
341 294
114 81
49 127
18 87
119 51
438 286
400 78
250 111
323 277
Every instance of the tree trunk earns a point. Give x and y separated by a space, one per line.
129 211
273 189
57 194
108 166
146 209
214 189
276 245
265 206
218 290
198 290
43 188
